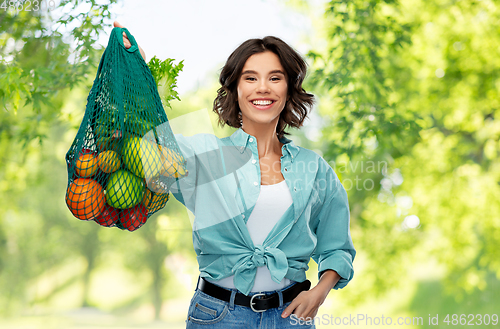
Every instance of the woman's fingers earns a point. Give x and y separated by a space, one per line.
303 306
290 308
126 41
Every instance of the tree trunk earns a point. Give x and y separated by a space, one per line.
89 251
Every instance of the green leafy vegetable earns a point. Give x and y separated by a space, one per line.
165 74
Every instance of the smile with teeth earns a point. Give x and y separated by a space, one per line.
262 102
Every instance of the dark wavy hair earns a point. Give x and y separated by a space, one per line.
299 101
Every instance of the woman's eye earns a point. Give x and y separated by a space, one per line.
275 79
250 78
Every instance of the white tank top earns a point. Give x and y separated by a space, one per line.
272 203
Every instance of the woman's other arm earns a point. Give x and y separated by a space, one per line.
305 305
334 251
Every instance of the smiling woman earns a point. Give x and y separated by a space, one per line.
264 63
257 227
262 87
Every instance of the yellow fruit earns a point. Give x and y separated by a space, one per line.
86 165
141 157
154 201
171 163
179 170
109 161
147 197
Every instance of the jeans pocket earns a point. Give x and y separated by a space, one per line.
205 309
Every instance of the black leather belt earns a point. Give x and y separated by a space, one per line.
257 302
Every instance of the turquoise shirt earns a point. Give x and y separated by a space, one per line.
221 191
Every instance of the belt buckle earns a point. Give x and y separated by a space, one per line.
252 303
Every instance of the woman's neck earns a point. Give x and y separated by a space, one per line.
268 144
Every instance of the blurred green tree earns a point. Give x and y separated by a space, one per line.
39 95
65 56
409 92
41 58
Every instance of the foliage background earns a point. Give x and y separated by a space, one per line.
407 109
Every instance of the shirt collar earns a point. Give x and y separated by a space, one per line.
240 138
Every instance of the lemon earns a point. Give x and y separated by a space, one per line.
171 163
141 157
109 161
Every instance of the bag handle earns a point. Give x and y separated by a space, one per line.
118 31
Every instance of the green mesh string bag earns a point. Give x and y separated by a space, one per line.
124 157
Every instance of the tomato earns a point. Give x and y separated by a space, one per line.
134 217
108 217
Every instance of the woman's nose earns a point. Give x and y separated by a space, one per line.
262 87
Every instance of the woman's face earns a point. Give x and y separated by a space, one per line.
262 90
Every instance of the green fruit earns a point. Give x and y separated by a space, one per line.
107 122
124 190
108 144
137 125
145 126
141 157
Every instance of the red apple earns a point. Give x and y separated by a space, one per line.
86 151
108 217
134 217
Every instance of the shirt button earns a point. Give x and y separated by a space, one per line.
295 189
253 161
286 169
255 183
243 216
251 139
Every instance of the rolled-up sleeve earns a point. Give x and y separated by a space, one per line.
334 249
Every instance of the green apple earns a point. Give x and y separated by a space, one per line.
137 124
124 190
141 157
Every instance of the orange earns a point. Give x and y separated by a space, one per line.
109 161
154 201
86 165
147 197
85 198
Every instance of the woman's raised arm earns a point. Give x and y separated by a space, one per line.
126 41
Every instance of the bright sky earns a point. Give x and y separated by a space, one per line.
203 33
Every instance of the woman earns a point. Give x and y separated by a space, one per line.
256 227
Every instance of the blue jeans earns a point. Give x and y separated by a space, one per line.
211 313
